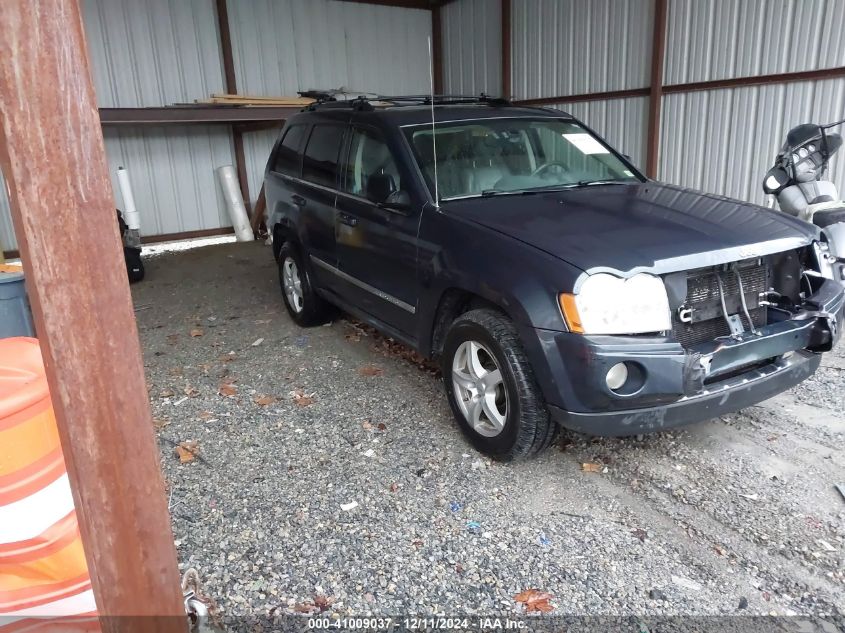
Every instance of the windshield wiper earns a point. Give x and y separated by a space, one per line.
610 181
573 185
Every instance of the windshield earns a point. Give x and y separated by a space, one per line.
493 156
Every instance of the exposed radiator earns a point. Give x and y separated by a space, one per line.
705 305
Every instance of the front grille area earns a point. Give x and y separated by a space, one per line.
706 307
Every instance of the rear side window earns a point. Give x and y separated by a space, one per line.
288 158
319 164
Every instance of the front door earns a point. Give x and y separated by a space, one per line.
376 245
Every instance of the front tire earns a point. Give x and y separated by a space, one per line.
491 387
304 306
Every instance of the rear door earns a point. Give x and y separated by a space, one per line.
377 245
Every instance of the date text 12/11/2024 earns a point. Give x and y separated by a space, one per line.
377 624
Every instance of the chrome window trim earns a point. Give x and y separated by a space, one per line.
363 285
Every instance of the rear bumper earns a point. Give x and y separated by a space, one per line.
676 386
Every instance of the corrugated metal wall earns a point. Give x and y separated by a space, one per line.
724 141
159 52
284 46
152 52
570 47
7 233
472 47
720 39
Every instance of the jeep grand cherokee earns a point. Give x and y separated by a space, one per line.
555 283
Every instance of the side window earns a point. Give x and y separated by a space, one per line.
288 160
369 156
319 164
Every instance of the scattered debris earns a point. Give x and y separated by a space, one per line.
257 342
167 393
394 487
226 358
346 507
826 546
369 426
191 392
474 527
743 603
187 451
535 600
196 332
454 506
370 370
227 389
841 489
302 399
301 341
180 401
640 534
656 594
544 540
265 400
686 583
592 467
160 423
369 452
754 497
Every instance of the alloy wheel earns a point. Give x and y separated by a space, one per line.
479 388
292 284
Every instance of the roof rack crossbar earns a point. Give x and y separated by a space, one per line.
367 102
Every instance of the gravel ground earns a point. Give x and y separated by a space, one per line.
734 516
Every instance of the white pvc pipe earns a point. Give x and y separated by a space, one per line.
235 203
130 213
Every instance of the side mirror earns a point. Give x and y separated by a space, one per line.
776 180
398 201
379 187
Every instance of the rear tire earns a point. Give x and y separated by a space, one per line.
491 387
304 306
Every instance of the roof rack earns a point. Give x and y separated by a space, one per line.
369 102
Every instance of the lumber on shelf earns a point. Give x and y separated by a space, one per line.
225 99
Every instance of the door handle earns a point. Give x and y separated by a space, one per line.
298 200
351 220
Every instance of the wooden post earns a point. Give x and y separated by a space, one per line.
658 51
232 88
506 49
258 212
53 158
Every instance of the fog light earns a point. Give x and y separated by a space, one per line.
616 376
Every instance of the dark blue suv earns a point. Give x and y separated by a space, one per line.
554 281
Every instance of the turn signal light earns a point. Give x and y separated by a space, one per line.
570 313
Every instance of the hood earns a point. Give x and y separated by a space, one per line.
643 227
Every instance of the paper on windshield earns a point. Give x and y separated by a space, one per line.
586 144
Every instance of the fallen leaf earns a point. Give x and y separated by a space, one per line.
160 423
302 399
172 339
196 332
366 425
394 487
382 426
370 370
191 392
323 602
167 393
226 358
535 600
264 401
206 415
227 389
591 467
187 451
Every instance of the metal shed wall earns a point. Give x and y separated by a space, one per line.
283 46
7 233
572 47
152 52
721 39
472 47
724 141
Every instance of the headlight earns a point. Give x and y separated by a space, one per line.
610 305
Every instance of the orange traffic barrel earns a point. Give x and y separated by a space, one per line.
43 573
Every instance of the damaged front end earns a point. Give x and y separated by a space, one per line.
752 315
742 332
